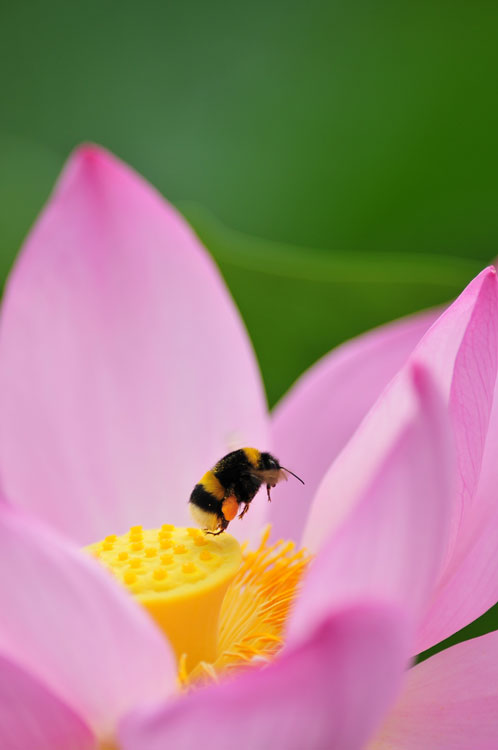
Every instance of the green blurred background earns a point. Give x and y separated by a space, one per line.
338 159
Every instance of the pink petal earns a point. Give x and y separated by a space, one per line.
67 621
34 718
126 372
470 585
449 702
323 409
465 327
460 351
329 692
392 544
467 373
474 552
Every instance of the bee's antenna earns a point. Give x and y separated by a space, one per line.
291 472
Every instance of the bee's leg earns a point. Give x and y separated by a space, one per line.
221 528
268 486
244 510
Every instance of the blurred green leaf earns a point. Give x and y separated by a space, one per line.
298 304
359 126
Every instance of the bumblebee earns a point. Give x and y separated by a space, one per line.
231 483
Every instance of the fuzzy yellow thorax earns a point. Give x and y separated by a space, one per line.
220 606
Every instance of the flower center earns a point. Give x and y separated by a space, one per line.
221 608
180 576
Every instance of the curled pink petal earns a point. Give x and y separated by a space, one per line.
392 544
126 372
473 551
472 388
449 702
461 350
322 410
33 718
329 692
469 585
465 327
66 620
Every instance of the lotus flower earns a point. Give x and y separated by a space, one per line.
125 374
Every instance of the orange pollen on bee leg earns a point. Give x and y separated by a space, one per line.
230 508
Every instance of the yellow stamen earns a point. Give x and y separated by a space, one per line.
255 608
221 610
